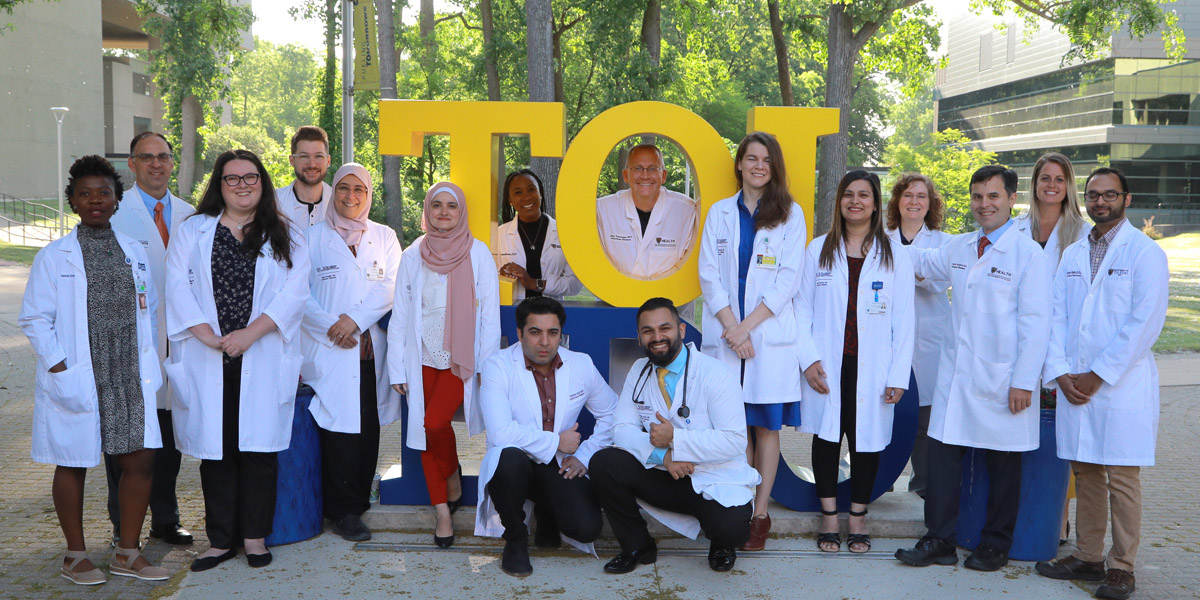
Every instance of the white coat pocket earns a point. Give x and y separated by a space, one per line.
73 391
990 381
1117 295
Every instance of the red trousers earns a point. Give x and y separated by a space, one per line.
443 396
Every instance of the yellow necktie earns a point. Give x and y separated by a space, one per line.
662 384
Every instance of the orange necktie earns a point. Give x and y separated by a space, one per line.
160 223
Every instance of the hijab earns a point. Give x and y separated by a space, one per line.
449 252
351 230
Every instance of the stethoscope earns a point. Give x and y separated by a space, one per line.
642 380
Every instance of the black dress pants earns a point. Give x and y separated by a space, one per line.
348 460
568 503
240 488
945 482
620 479
164 505
826 455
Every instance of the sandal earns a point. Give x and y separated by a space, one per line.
858 538
146 573
832 537
93 577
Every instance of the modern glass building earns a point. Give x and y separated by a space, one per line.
1133 110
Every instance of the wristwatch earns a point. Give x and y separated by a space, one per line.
541 285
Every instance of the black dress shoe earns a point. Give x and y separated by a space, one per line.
207 562
515 560
1071 568
628 561
352 529
258 561
929 551
721 559
172 534
443 542
986 557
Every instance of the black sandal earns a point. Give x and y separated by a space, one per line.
832 537
858 538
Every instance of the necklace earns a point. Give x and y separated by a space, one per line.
541 224
243 224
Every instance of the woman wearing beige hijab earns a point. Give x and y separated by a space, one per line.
445 323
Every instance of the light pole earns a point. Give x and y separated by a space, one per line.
59 113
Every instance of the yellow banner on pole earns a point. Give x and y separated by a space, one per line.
366 46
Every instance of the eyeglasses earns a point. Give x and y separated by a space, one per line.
310 157
1108 196
147 157
650 170
234 180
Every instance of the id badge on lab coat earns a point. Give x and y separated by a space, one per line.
143 303
766 261
875 306
375 273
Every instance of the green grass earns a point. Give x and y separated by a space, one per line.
17 253
1181 333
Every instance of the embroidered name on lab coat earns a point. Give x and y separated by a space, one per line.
327 272
616 237
823 278
1074 274
959 266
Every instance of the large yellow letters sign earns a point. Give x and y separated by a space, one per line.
474 129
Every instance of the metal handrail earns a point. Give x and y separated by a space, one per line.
24 215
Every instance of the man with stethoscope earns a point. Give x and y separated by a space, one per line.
646 230
153 215
991 363
1110 302
679 436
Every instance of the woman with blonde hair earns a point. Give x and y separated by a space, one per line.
1054 219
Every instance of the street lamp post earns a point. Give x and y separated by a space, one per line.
59 113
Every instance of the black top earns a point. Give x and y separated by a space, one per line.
903 240
533 239
644 217
233 282
850 347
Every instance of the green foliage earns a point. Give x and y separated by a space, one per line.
273 154
272 88
199 40
948 159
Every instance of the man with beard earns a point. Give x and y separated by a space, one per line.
305 201
1110 302
680 448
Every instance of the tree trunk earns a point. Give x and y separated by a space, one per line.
832 149
190 118
426 24
393 194
539 23
781 55
652 43
489 52
330 95
556 44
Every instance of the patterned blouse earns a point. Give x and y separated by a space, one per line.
233 283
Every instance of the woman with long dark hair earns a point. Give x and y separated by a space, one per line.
751 254
855 288
529 250
238 275
89 312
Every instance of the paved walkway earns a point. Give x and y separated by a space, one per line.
405 564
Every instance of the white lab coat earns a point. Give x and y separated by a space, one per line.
560 279
361 287
66 410
270 367
773 374
932 309
512 411
663 247
713 436
404 335
1108 326
136 222
999 330
296 212
885 341
1023 224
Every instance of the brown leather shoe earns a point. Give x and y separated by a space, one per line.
760 528
1118 585
1071 568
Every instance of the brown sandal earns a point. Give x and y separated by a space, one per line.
93 577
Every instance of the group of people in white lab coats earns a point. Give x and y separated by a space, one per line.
265 288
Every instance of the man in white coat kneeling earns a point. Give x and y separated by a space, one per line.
680 437
531 396
1110 302
990 365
